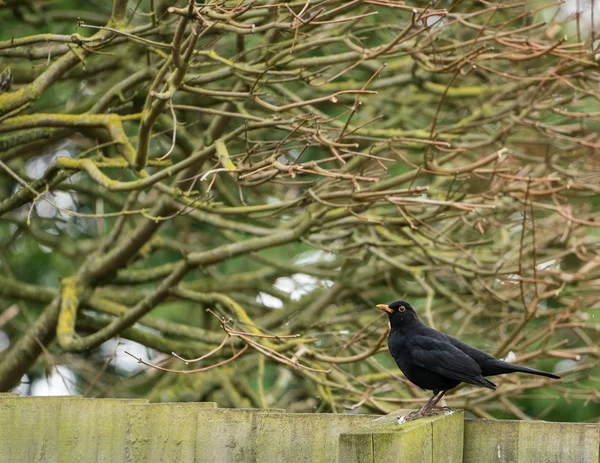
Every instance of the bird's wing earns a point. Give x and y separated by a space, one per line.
444 359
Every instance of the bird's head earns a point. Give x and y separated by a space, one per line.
399 313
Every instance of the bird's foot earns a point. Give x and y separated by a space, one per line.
411 416
434 411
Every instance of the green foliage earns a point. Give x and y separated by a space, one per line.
288 166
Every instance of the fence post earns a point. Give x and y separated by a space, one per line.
435 439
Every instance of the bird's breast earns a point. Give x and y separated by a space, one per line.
400 353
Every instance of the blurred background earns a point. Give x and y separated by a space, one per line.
288 166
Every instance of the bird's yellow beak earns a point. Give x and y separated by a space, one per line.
385 308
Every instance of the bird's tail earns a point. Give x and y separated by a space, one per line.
481 381
490 385
509 367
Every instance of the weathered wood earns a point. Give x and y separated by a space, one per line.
431 439
48 429
487 441
56 429
191 432
304 437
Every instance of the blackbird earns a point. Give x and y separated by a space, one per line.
436 361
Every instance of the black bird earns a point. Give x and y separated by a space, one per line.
436 361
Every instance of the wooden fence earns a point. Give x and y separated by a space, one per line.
74 429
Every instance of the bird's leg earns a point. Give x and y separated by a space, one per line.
432 410
439 397
430 403
424 408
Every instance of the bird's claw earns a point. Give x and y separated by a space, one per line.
408 418
434 411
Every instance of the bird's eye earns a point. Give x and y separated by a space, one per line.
401 308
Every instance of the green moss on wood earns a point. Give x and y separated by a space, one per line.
530 441
107 430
